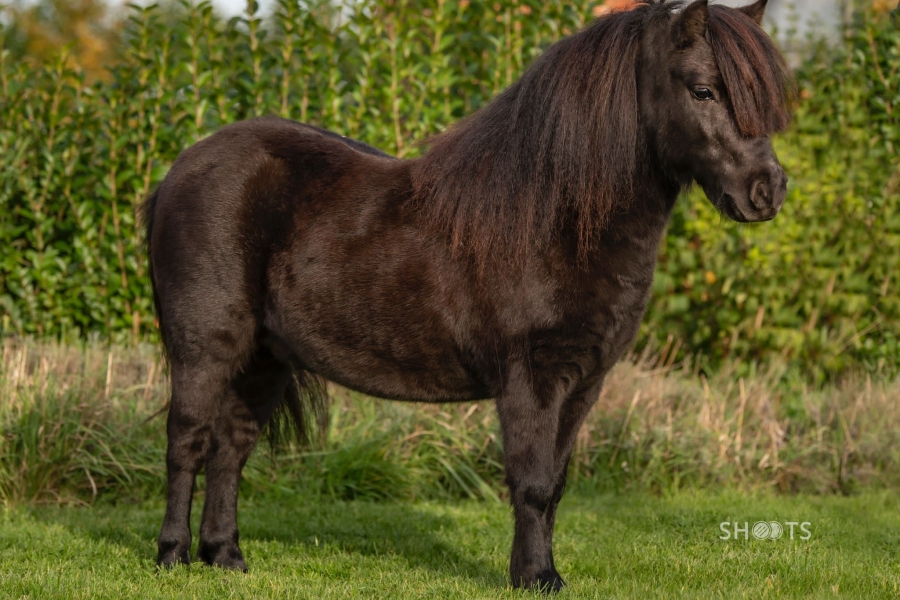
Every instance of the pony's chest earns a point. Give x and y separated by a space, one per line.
593 327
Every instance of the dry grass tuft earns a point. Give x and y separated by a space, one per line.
81 423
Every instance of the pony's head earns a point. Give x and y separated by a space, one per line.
712 89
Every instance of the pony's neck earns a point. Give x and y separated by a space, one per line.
645 214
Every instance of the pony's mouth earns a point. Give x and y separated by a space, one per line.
729 207
725 204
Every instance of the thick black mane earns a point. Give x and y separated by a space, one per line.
561 147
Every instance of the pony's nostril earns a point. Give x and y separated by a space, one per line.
760 195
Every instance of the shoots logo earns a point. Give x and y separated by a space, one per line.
765 530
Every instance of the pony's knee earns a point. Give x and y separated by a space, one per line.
538 497
531 494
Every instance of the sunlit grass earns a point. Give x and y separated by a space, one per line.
607 546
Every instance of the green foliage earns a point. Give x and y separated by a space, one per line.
815 288
78 158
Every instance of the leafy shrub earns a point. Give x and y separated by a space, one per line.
816 288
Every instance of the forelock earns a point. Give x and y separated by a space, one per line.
756 77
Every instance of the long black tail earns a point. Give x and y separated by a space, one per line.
302 415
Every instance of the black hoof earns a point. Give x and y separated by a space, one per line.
226 555
546 581
172 554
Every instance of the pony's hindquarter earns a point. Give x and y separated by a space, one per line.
207 247
280 253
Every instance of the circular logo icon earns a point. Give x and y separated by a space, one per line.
776 530
762 530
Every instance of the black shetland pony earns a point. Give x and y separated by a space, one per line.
512 261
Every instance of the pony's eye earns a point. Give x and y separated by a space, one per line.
702 93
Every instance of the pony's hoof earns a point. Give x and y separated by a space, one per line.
225 555
172 554
546 581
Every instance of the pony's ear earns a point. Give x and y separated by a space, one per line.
690 24
755 11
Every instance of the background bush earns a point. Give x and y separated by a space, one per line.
816 288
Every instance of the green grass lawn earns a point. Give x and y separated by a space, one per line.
629 546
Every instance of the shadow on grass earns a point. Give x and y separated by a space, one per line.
311 527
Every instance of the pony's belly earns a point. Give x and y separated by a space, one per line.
378 348
432 376
403 385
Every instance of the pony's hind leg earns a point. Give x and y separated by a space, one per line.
197 390
253 395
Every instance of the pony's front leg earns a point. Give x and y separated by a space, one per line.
529 419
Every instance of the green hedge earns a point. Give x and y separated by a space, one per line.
817 287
